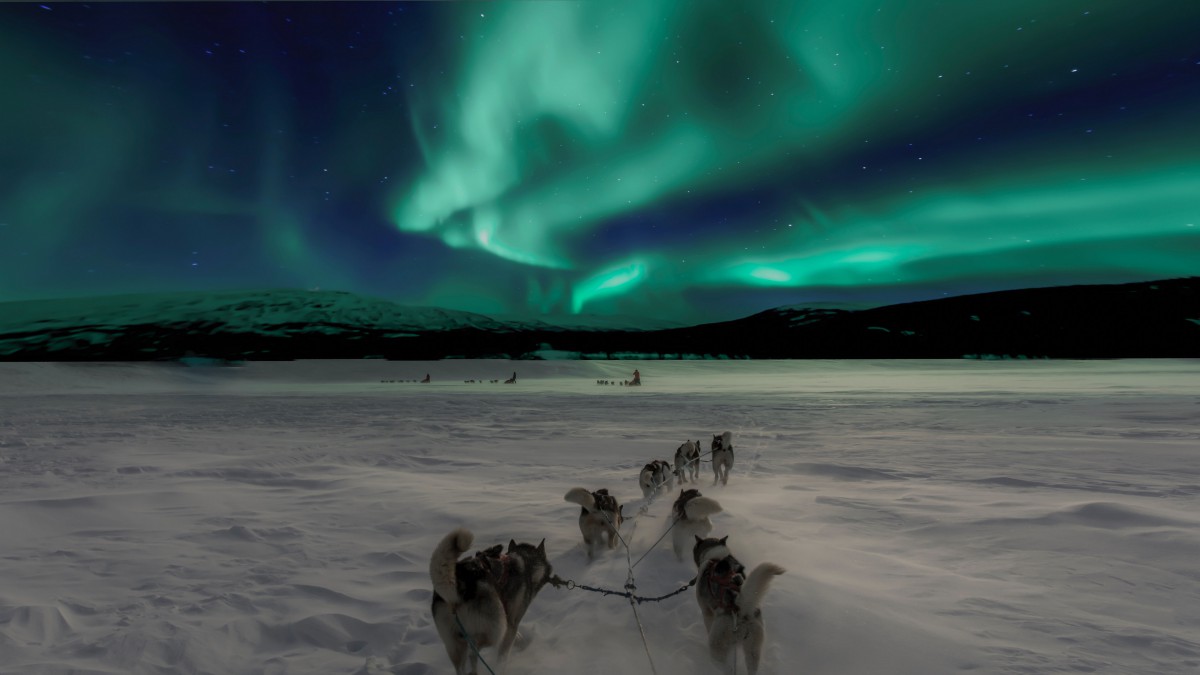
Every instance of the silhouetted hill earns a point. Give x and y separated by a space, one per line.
1151 319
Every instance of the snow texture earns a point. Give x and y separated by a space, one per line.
933 517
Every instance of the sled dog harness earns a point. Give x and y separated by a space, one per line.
724 578
718 444
495 564
605 501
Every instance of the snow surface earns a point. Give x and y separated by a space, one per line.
933 517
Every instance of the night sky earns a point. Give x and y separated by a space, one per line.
682 160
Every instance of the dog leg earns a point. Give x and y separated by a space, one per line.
589 546
752 646
506 644
707 614
721 639
447 629
474 658
460 653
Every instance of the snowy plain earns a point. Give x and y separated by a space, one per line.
933 516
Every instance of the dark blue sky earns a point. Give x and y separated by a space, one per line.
680 160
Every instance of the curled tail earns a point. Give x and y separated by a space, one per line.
701 507
445 557
582 497
756 586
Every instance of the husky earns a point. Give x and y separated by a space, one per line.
729 601
722 457
654 476
687 461
483 596
599 516
691 512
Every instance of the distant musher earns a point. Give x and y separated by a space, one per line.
637 379
426 380
512 379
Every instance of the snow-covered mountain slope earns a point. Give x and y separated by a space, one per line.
1146 319
269 310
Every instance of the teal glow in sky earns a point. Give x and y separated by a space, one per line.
684 160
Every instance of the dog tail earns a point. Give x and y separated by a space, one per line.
756 586
445 557
701 507
581 497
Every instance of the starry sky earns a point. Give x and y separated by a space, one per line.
677 160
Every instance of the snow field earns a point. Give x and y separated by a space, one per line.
933 517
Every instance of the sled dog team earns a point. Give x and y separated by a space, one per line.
483 597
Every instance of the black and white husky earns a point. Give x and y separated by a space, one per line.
730 601
654 476
599 517
722 457
483 596
690 513
687 462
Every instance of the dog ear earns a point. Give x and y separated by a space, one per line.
698 539
542 548
512 545
723 539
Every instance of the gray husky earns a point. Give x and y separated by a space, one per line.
483 596
687 462
729 601
722 457
690 513
654 476
599 516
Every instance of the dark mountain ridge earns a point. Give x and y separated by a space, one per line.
1136 320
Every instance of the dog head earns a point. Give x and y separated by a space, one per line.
709 548
526 550
535 560
682 500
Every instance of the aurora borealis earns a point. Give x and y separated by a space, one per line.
682 160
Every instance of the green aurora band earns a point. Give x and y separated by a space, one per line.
564 116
